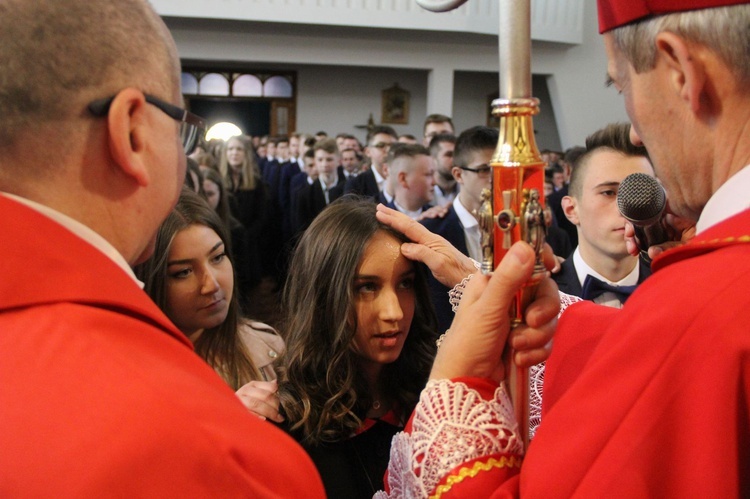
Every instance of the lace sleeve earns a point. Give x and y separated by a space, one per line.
536 375
452 426
567 300
454 431
455 294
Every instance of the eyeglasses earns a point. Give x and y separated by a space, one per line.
191 125
382 145
481 170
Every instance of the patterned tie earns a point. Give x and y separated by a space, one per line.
593 288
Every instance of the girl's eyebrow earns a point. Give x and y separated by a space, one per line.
188 260
365 277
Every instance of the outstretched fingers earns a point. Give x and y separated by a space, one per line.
447 264
408 227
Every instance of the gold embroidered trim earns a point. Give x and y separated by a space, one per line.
503 462
731 239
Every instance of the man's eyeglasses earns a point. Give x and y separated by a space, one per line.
481 170
191 125
382 145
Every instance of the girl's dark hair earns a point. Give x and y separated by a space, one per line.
322 389
220 346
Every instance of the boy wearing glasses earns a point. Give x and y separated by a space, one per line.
471 169
372 182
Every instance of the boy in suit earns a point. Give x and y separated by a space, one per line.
471 158
601 269
328 187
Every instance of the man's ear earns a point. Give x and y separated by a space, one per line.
457 174
128 129
687 72
570 208
401 178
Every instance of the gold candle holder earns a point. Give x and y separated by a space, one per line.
512 209
513 212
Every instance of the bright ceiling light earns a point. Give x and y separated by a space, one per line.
223 131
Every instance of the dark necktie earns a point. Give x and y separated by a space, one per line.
593 288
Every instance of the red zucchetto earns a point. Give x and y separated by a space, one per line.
616 13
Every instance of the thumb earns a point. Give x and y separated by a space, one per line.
510 276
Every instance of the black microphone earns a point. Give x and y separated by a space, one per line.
642 201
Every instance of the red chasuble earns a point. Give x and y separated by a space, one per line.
649 401
100 395
661 406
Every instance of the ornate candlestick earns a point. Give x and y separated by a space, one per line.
512 211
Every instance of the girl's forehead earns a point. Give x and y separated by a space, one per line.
383 250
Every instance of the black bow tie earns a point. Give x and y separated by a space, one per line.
593 288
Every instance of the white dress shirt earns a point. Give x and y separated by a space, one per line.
607 298
381 186
411 214
471 230
729 199
443 198
327 188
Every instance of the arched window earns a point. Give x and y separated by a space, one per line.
189 84
214 84
247 86
277 86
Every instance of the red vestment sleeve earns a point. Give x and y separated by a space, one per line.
580 328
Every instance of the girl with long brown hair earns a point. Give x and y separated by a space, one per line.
360 338
191 278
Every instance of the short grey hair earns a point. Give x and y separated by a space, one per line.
56 54
724 30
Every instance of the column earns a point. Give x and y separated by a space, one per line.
440 91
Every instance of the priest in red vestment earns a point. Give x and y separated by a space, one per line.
652 400
100 395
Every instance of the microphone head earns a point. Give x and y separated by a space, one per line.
641 199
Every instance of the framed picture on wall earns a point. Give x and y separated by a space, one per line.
395 105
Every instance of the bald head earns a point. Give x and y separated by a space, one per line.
118 173
59 55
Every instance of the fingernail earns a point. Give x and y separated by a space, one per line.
520 253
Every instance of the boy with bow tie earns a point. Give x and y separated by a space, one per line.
601 269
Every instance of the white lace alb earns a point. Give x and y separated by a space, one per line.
452 424
536 375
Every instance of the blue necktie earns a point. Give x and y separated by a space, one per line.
593 288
